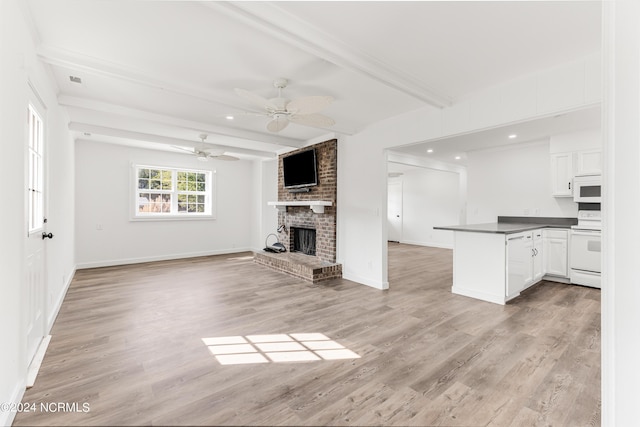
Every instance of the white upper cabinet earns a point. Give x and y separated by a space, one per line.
574 154
589 162
562 174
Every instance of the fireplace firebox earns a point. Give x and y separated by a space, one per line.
303 240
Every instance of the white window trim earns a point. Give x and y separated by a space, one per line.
134 190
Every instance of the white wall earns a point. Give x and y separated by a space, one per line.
20 65
574 141
266 190
429 198
362 246
621 191
513 181
103 197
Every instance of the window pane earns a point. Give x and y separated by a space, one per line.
167 180
156 184
192 198
200 208
154 203
201 186
143 184
143 173
154 173
200 177
200 199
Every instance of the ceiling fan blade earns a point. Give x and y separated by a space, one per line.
256 99
315 120
309 104
277 124
225 157
188 150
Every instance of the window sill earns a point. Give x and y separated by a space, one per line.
172 218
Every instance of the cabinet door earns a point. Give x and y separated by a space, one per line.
561 174
538 251
518 262
555 257
589 162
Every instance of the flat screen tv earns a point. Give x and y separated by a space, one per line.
300 169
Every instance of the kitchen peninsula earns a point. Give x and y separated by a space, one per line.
494 262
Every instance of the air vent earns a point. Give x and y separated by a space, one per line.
75 79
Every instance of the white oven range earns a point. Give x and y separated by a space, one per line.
585 254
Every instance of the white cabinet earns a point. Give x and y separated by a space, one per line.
566 166
524 261
537 256
561 174
588 162
555 252
519 271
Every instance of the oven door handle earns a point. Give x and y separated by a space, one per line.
586 233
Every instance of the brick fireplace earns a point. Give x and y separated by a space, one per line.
322 265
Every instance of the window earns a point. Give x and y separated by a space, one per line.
36 170
171 193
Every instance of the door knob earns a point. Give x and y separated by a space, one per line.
47 235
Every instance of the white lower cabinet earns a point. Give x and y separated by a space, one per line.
556 250
496 267
524 261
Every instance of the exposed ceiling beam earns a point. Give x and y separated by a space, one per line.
273 20
220 131
139 136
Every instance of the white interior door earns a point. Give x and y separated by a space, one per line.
35 246
394 211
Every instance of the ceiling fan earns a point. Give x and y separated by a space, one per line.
303 111
203 154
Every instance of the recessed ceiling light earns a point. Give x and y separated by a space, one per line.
457 157
512 136
430 150
75 79
229 117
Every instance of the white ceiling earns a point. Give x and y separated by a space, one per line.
159 73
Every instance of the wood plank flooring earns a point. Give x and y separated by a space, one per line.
128 342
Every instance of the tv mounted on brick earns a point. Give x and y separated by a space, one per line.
300 170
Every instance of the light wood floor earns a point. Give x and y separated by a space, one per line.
128 343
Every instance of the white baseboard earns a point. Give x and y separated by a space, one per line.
365 281
125 261
34 367
6 417
496 299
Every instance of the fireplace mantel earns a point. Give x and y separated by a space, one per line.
317 206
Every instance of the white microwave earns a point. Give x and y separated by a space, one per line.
587 189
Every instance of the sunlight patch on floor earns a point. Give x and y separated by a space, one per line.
278 348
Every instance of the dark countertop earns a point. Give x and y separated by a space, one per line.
499 227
